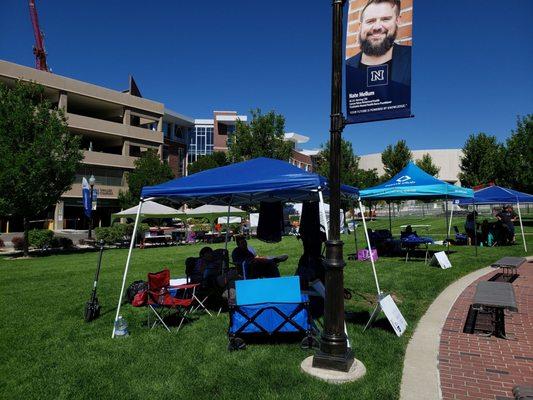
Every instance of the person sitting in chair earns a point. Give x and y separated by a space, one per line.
507 217
205 268
470 226
255 266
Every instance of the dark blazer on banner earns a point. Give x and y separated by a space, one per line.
401 64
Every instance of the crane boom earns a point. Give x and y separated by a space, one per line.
38 48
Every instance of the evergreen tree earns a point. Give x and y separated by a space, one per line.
482 160
426 164
519 156
395 158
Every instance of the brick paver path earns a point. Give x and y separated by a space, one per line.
475 367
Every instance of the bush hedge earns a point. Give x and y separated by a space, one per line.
118 232
40 238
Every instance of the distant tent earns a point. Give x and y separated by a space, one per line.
413 183
150 209
212 212
500 195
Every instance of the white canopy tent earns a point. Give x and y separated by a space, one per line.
150 209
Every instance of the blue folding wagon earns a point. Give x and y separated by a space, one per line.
268 308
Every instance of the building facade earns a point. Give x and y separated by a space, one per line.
116 128
448 160
214 134
305 159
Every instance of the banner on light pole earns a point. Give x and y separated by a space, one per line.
378 60
86 195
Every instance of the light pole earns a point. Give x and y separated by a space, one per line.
334 353
92 180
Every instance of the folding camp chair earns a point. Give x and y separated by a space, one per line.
162 298
269 307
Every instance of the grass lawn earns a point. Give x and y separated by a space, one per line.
47 351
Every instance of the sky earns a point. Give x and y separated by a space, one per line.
472 61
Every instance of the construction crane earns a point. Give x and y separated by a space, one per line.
38 48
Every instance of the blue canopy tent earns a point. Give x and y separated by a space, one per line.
500 195
247 182
412 183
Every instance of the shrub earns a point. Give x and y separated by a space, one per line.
1 243
61 241
81 241
66 242
54 243
118 232
40 238
18 242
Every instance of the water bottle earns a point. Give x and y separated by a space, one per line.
121 327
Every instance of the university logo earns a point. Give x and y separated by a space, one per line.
378 75
403 179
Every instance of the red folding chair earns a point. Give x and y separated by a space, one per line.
163 299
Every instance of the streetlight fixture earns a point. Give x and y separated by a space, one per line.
92 181
334 353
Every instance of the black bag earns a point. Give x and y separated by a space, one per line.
134 288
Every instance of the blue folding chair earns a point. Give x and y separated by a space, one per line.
269 308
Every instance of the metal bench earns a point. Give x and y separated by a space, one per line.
495 298
509 265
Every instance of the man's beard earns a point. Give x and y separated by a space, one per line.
379 49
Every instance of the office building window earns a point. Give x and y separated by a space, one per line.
200 142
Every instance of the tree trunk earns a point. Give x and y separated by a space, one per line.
26 237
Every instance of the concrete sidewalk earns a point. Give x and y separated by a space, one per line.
420 377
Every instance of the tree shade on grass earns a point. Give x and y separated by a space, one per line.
49 352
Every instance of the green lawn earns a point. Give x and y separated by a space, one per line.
47 351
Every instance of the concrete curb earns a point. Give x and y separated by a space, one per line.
420 377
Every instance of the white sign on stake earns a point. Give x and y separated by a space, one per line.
393 314
440 259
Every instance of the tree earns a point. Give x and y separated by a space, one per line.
366 178
395 158
149 171
262 137
214 160
349 162
426 163
519 154
482 160
38 155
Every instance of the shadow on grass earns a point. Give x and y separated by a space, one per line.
362 317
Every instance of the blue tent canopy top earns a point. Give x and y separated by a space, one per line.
414 183
252 181
497 195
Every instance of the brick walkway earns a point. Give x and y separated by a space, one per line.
475 367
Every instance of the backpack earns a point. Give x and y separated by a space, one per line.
134 288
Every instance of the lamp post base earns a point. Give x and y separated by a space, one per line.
356 371
340 362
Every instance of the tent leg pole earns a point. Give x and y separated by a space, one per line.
521 226
447 223
475 227
370 249
390 221
127 264
451 219
323 213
